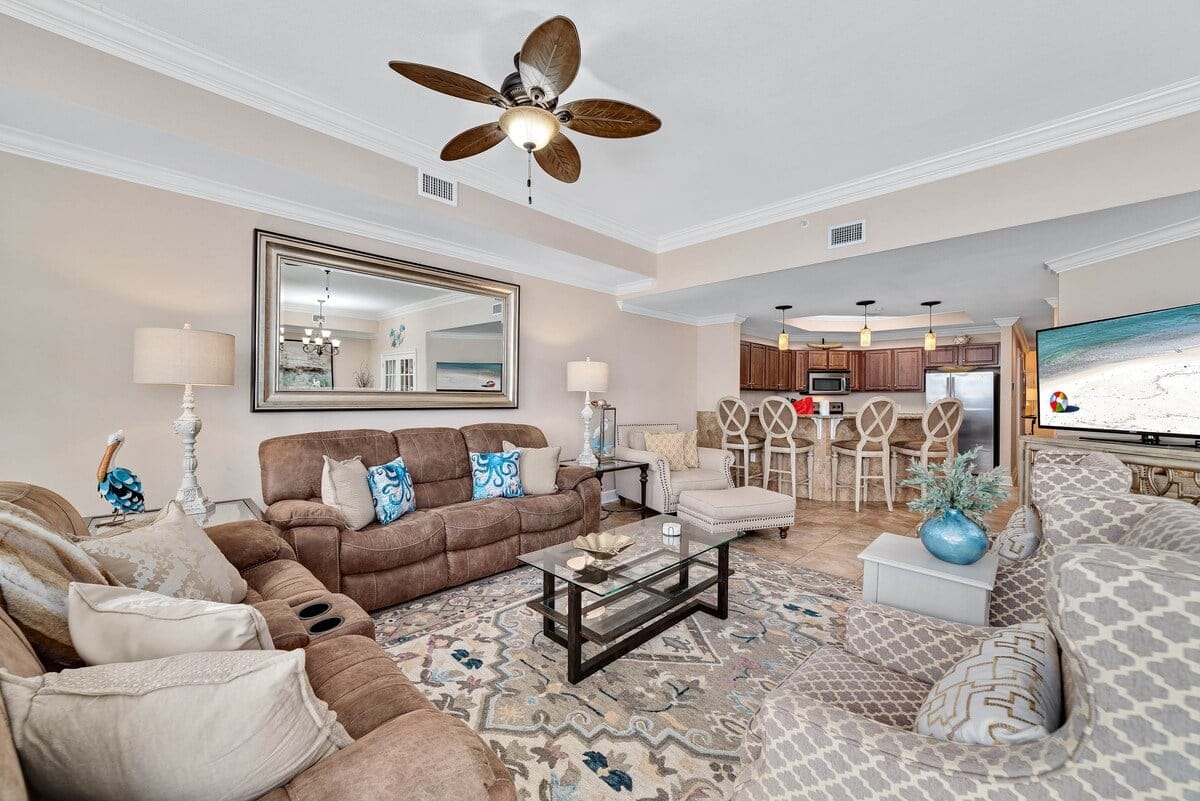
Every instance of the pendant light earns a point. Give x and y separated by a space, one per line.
784 339
930 337
864 336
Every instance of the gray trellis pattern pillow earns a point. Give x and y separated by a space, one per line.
1020 590
1169 525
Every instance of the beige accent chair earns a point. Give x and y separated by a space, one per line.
941 422
733 416
876 421
782 446
664 484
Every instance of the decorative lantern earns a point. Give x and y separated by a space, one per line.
604 435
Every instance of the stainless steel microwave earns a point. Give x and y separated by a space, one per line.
831 382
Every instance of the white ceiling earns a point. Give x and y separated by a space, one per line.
998 274
760 102
355 294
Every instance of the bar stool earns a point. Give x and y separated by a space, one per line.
876 422
941 423
733 416
779 422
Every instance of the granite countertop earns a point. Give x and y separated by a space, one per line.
851 415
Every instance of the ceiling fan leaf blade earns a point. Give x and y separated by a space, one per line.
559 159
611 119
449 83
473 141
549 59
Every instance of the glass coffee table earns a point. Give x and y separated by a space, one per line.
622 602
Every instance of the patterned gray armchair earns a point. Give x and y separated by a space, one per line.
1127 622
1019 592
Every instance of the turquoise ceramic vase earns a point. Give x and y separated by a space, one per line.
953 537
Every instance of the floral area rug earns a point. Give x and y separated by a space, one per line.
663 722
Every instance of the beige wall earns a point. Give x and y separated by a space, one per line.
87 259
1158 278
718 363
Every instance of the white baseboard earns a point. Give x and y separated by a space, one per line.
609 496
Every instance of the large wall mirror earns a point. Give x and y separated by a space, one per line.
339 329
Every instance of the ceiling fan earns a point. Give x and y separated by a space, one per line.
531 117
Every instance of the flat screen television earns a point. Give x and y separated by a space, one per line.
1137 374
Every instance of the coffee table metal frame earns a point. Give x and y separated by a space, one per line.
633 626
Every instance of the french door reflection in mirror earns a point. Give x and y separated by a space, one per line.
340 329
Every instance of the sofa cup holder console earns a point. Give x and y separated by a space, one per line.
326 624
314 610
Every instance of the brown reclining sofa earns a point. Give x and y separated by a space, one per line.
404 747
448 540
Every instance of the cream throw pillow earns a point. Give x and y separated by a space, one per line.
679 449
1020 537
538 468
222 726
1007 690
344 486
121 624
171 555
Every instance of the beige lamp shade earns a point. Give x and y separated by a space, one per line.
587 376
182 356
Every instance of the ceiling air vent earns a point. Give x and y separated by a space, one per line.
847 234
438 189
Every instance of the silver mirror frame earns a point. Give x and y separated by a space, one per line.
271 250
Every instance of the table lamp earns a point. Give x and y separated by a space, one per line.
587 377
188 358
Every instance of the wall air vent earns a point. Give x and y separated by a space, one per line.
847 234
438 189
497 308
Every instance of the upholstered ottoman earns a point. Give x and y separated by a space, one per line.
737 509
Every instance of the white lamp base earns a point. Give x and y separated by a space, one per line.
191 495
586 457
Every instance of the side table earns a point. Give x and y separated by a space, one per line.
615 465
899 572
226 512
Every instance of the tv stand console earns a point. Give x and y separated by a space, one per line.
1154 469
1147 439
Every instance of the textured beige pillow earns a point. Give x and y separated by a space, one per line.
539 468
344 486
678 448
1020 537
121 624
172 556
229 726
1007 690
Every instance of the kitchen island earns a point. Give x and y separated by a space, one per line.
822 430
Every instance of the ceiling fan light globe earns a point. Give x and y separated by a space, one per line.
529 127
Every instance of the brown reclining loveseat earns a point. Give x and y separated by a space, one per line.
404 747
448 540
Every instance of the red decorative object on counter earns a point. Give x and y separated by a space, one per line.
803 406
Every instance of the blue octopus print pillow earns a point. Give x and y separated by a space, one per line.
496 475
392 491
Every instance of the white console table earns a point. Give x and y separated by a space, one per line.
1155 469
899 572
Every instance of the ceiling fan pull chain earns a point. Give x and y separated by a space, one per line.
529 175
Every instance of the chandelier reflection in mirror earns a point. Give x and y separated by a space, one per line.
317 340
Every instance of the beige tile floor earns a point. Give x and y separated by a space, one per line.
829 536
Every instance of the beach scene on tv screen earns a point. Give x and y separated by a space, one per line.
1139 374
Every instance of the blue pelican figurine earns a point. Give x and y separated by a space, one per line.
119 486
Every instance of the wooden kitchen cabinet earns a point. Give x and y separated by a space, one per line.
877 370
908 369
773 377
838 359
818 359
856 371
744 365
758 366
799 371
981 354
942 356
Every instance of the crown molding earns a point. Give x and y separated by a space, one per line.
446 299
1006 322
127 39
722 319
1051 302
68 154
465 335
1156 105
686 319
1123 247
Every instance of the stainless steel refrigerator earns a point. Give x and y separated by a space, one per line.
979 391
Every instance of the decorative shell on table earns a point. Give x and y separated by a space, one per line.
603 544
